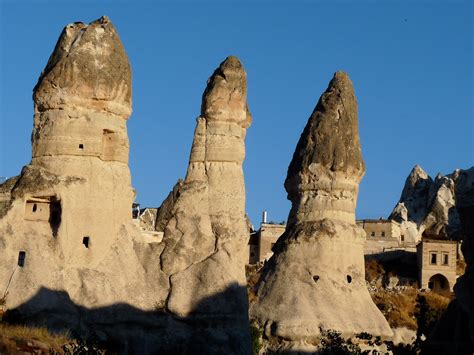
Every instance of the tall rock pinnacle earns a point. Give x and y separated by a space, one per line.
315 279
82 103
206 236
69 212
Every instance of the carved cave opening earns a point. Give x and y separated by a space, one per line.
55 216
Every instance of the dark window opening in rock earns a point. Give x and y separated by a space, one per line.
85 241
35 207
433 258
402 237
315 278
349 278
81 146
383 234
372 234
55 216
21 258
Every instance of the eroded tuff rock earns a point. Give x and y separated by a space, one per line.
206 236
427 207
315 279
69 212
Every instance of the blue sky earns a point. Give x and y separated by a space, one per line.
410 61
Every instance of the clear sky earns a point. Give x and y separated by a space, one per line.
410 61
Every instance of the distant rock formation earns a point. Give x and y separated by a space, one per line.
315 279
206 233
428 208
454 334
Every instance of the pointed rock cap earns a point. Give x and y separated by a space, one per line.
88 68
225 97
331 136
418 173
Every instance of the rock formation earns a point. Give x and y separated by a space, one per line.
69 212
427 208
69 252
315 279
71 257
454 333
206 234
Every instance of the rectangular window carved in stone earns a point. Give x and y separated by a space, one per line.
433 258
445 259
21 258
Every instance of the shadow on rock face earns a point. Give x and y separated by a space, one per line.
124 329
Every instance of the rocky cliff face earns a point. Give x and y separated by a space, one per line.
315 279
427 207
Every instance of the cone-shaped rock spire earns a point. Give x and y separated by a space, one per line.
315 279
206 235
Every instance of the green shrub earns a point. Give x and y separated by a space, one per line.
256 334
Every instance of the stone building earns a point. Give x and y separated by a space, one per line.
380 228
437 264
262 241
382 235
